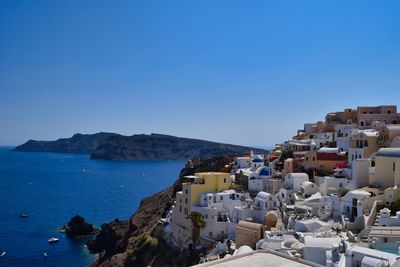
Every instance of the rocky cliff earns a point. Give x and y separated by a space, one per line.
78 143
110 146
138 241
163 147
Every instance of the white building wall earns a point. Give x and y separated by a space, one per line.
355 153
360 173
256 185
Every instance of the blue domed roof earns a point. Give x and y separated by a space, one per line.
266 171
257 158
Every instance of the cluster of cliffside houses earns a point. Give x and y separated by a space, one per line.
321 198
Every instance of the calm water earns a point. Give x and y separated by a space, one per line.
53 187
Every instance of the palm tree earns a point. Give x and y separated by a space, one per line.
198 223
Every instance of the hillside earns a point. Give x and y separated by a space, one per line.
138 241
163 147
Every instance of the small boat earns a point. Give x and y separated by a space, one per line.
24 215
53 240
45 255
3 254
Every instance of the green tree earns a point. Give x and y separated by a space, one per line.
198 223
343 192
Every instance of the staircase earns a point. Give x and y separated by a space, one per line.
363 235
376 222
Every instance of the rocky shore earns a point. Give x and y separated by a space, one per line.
138 241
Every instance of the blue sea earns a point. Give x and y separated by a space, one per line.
53 187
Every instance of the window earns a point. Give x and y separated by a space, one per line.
365 143
340 185
354 201
394 166
221 198
224 180
180 208
210 234
186 191
206 216
186 201
313 158
389 111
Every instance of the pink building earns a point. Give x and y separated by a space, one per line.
386 114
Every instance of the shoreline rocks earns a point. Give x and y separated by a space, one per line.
78 227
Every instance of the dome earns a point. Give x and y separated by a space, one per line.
266 171
243 250
257 158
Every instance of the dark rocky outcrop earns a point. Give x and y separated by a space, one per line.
77 227
138 241
163 147
78 143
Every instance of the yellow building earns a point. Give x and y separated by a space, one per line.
363 144
200 183
385 170
206 182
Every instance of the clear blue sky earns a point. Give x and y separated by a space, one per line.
243 72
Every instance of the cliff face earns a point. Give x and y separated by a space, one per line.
138 241
78 143
163 147
110 146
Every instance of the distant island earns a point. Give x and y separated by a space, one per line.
112 146
78 143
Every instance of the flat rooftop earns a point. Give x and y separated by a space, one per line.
259 259
385 231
